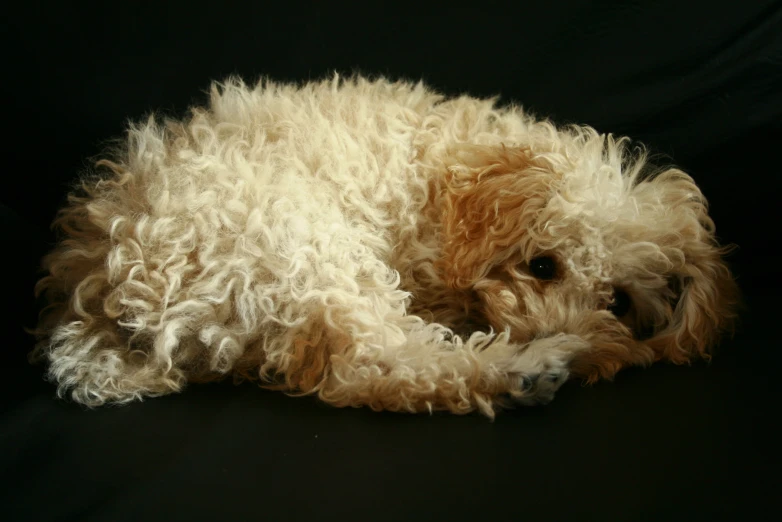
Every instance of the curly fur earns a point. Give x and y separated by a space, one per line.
369 241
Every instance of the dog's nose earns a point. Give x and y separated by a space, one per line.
616 301
621 304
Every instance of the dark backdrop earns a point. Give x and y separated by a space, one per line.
698 81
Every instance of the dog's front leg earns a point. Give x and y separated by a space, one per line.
541 365
426 368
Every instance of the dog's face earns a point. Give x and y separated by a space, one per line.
577 240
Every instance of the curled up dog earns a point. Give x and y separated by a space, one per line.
376 244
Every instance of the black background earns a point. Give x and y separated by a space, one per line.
698 81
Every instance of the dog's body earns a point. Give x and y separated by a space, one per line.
378 245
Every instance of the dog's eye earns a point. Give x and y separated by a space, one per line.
621 303
543 267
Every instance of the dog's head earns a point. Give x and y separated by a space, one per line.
578 237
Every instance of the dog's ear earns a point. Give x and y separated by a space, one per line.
491 196
705 294
703 311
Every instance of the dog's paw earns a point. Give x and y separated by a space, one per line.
540 368
539 388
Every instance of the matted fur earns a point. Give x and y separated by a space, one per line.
369 241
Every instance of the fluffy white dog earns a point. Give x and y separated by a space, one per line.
375 244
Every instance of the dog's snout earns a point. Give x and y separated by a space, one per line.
615 300
620 306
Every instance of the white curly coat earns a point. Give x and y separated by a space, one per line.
370 241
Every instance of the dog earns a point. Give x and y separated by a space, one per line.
376 244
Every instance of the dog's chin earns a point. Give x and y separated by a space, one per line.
613 346
615 343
